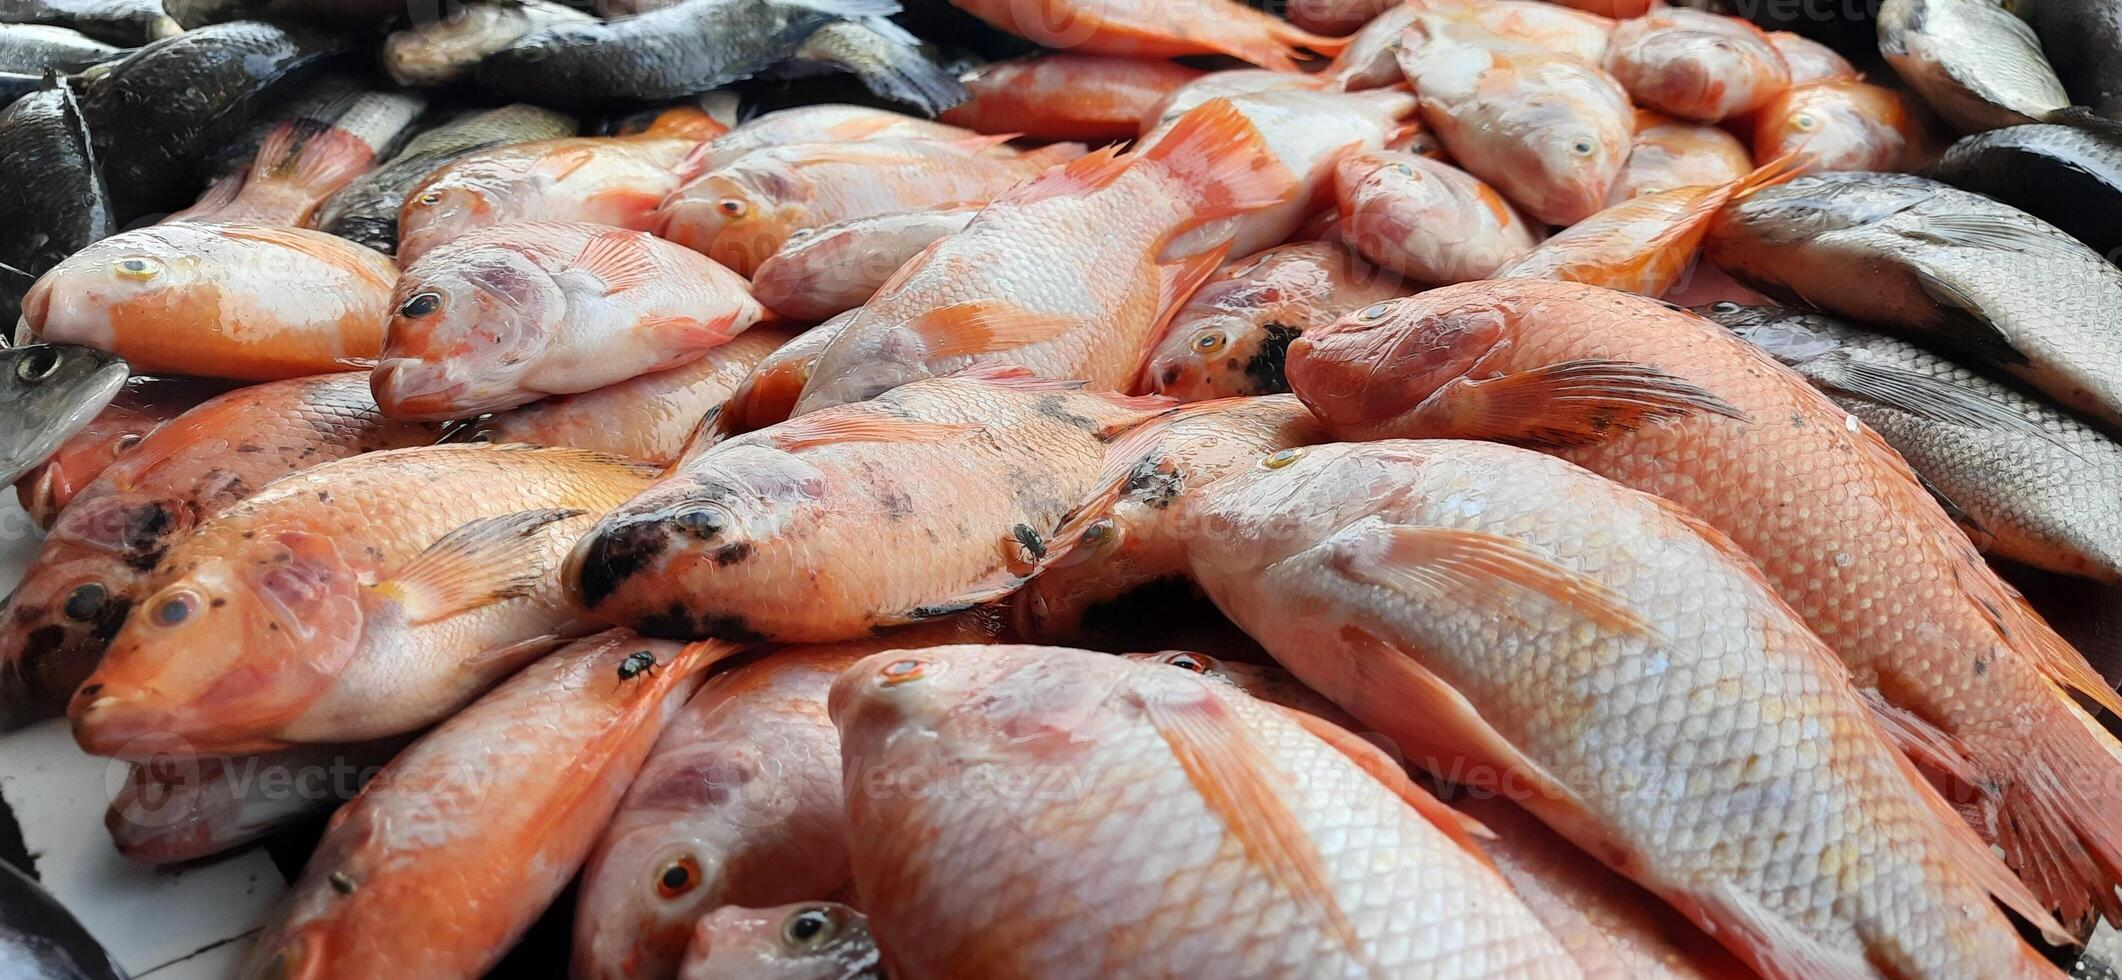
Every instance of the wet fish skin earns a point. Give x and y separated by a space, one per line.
1809 60
449 49
1264 681
668 53
121 22
1645 244
47 394
1844 124
57 195
404 653
429 874
1120 27
739 804
1066 96
95 564
34 49
366 210
1695 64
1939 263
1229 84
615 181
769 394
1230 337
1218 777
49 941
1426 219
2064 175
1977 65
1668 153
820 273
140 407
306 158
821 123
176 810
2082 41
803 941
881 55
2048 501
1377 543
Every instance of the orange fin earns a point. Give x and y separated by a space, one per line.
320 158
1053 154
1463 830
1015 376
866 425
1083 175
677 332
1181 278
2059 818
620 259
996 586
482 562
1241 784
1476 569
1574 403
1223 161
987 326
560 163
1922 742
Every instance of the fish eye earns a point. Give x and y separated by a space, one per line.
431 198
1210 341
1805 122
421 304
1187 661
125 442
811 926
86 601
1583 147
1727 306
1281 458
137 267
1402 169
175 610
39 365
735 207
677 876
704 523
1102 533
1374 312
902 671
532 52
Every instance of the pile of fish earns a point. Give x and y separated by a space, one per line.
1542 463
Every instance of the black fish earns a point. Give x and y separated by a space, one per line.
40 938
2065 175
884 58
33 49
49 189
121 22
2083 42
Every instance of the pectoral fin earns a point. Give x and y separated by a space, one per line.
482 562
1574 403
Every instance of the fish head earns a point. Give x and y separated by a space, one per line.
448 205
126 287
467 325
1232 336
739 216
51 391
1841 124
1369 369
74 598
963 693
1575 150
1712 64
1751 238
803 941
224 650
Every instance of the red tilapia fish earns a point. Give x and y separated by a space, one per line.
1844 124
1427 220
1170 825
139 408
1222 85
221 300
1263 681
611 180
1810 61
1369 59
1644 244
826 123
771 535
176 810
768 395
1123 27
356 600
454 849
1406 580
647 418
741 214
305 160
1674 405
1071 275
509 314
1230 336
740 804
1695 64
1065 96
1548 129
802 941
1121 541
1543 25
96 562
1669 153
823 272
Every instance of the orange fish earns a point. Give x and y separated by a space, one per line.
1844 124
820 273
1065 96
1121 27
1680 722
139 408
1156 824
774 534
1073 274
355 600
307 159
768 395
1641 245
1230 336
1617 9
1695 64
1264 681
739 804
1427 220
741 214
1671 404
647 418
96 562
602 180
451 853
1669 153
1336 17
1809 60
247 302
506 315
1369 58
1545 25
1550 130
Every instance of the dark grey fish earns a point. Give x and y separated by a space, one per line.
158 112
2067 176
676 51
16 84
366 211
1977 66
447 49
126 23
313 98
884 58
2083 41
34 49
1940 265
2032 482
47 393
40 938
50 190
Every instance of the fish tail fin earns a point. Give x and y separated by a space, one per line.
1275 43
2058 811
901 73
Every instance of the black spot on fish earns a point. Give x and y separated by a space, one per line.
938 611
617 555
1265 370
1981 666
735 629
1056 408
1153 483
217 603
897 505
144 536
249 447
731 554
1151 602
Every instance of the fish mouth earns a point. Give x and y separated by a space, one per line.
419 391
114 724
1329 375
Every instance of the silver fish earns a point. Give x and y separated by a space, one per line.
884 58
47 393
1976 64
2032 482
